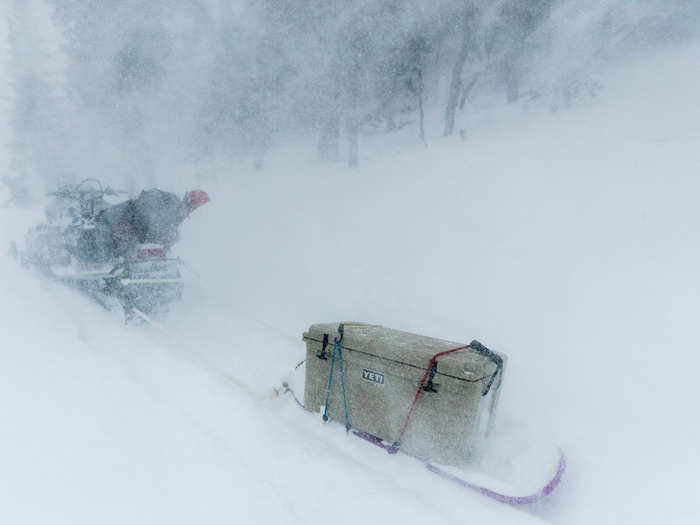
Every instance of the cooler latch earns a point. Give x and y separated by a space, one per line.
322 353
429 385
495 358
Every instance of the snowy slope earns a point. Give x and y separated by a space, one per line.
566 240
102 423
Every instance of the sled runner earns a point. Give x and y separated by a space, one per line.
485 484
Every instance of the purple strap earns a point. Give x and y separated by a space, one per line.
296 399
504 498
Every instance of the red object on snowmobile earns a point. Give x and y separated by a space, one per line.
150 251
196 198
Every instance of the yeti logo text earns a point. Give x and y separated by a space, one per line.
374 377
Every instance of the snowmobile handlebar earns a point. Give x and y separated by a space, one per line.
80 193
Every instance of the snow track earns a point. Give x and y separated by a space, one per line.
568 241
108 423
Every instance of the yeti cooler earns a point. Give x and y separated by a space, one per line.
383 369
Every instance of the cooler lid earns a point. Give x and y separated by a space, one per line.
407 348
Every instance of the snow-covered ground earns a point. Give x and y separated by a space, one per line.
568 241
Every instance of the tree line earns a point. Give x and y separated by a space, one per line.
153 85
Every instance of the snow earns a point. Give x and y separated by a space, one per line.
103 423
566 240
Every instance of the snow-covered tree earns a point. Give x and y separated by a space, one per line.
38 131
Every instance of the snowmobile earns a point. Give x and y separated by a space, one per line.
116 253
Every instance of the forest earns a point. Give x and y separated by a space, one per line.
140 90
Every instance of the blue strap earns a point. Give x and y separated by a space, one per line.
337 349
342 382
330 381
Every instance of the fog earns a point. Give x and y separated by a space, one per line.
146 92
546 206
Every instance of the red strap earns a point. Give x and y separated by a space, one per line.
433 359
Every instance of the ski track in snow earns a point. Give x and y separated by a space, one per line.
567 241
209 416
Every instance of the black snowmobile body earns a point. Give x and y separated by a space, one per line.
111 252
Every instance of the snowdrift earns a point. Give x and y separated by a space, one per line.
566 240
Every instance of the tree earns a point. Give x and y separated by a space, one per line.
409 75
468 21
517 22
38 134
